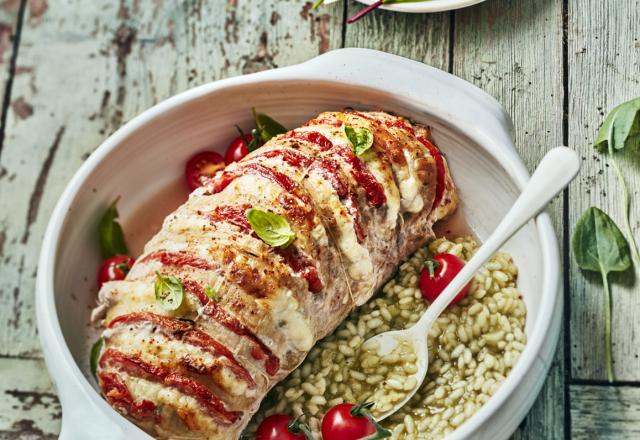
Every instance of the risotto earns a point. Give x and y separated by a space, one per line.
472 347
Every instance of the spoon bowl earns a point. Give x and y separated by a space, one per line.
385 343
556 170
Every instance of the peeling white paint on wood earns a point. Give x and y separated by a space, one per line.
29 408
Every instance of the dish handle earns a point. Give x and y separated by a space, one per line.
83 420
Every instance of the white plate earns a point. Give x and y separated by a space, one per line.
146 157
427 6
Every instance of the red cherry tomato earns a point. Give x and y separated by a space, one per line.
339 424
447 267
237 149
114 268
276 427
202 165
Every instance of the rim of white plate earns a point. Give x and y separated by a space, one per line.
426 6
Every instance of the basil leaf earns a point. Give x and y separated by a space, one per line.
267 127
111 235
212 293
271 228
361 138
599 246
96 349
621 128
169 291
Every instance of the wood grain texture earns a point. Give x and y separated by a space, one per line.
86 71
600 412
421 37
604 60
9 17
513 51
29 409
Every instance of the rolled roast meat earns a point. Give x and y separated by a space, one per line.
246 313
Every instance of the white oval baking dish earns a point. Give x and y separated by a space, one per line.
144 159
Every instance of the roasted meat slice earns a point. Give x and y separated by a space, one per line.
201 370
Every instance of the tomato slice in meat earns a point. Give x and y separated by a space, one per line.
202 166
440 171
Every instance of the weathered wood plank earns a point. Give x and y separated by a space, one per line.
421 37
29 409
604 59
9 17
513 50
85 71
601 412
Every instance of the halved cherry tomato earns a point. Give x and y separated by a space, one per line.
445 268
114 268
345 422
282 427
237 149
201 166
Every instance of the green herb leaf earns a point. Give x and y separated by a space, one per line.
212 293
271 228
267 127
361 138
621 128
96 349
169 291
599 246
111 235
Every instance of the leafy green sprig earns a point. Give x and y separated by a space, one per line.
111 234
266 128
621 130
599 246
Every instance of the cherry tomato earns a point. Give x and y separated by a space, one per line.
114 268
237 149
446 268
202 165
340 424
276 427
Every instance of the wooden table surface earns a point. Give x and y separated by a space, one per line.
73 71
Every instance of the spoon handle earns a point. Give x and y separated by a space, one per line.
557 168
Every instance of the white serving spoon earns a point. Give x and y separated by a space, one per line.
557 168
